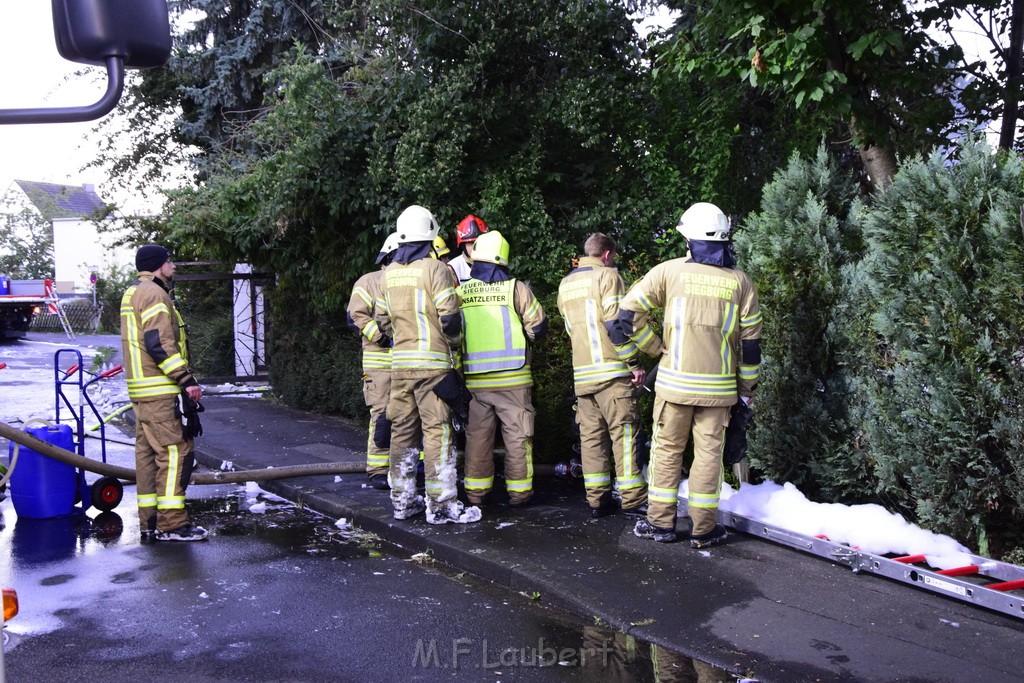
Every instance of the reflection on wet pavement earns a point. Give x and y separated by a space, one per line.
72 563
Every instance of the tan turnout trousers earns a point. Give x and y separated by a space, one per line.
672 426
163 464
513 410
376 393
416 412
608 422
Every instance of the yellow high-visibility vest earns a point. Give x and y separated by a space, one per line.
495 340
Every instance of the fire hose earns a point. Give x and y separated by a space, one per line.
561 470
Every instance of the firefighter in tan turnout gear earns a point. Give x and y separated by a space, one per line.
501 315
155 351
606 372
712 333
362 307
420 311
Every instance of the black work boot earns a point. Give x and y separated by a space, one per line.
713 537
379 482
607 506
638 511
645 529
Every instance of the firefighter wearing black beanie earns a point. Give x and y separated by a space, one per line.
163 390
150 257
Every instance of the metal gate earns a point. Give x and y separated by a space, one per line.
226 315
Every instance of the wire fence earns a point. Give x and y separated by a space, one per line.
82 315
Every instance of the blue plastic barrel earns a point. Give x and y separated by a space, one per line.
42 487
5 284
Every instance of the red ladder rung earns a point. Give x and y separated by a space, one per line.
909 559
1007 585
960 571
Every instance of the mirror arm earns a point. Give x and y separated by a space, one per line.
115 84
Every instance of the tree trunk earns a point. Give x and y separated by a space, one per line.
879 160
1011 100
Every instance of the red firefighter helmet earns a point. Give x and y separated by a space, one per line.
469 229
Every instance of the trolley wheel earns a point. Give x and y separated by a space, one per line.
106 493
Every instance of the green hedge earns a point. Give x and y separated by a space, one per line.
892 343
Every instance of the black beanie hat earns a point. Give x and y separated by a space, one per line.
150 257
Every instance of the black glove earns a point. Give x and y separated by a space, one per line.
452 390
191 427
736 433
651 378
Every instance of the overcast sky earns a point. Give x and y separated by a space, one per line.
34 75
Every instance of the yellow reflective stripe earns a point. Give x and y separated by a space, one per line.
643 335
600 372
157 391
749 372
594 331
596 478
695 383
642 300
611 300
662 495
132 332
519 485
675 319
630 482
377 459
501 380
703 500
170 503
751 320
364 295
153 311
479 483
376 360
419 360
444 294
627 449
422 324
370 329
532 309
173 463
146 500
151 382
172 363
627 352
728 325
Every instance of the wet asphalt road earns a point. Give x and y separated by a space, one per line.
282 594
278 593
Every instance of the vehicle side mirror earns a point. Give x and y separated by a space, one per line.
90 31
117 34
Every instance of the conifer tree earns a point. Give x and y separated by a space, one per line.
943 267
795 248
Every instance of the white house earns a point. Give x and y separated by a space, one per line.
78 248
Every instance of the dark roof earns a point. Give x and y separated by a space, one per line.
64 201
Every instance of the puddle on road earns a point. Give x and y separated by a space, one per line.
58 555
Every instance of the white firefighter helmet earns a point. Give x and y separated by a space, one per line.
390 244
704 221
416 224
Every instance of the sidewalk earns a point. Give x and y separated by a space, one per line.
749 607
